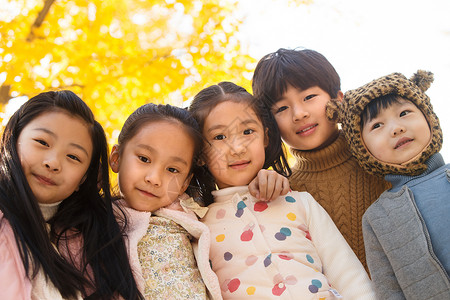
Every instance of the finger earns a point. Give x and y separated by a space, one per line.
278 187
286 186
272 183
262 185
253 188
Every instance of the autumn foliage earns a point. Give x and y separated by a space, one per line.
118 54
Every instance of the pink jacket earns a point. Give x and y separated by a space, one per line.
14 283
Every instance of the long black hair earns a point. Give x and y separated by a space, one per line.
85 218
208 98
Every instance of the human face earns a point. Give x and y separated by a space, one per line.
55 158
397 134
300 115
154 166
235 144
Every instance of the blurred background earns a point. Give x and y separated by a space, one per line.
119 54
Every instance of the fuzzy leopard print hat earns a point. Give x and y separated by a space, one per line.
348 112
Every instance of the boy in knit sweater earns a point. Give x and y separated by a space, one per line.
296 85
393 131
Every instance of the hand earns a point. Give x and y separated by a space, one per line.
268 185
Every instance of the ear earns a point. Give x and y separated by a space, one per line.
340 96
114 159
186 184
203 157
201 162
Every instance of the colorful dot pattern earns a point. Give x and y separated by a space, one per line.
264 248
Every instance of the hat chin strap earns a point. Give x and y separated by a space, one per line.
402 166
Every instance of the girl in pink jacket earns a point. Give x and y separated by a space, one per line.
54 199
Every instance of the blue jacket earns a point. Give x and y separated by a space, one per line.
406 235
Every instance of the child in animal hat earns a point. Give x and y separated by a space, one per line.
393 131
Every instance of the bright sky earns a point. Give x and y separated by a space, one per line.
363 39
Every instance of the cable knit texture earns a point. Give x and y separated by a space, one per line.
335 179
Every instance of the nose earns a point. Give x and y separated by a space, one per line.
237 146
153 176
52 163
300 113
397 129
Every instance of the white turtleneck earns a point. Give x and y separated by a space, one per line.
49 209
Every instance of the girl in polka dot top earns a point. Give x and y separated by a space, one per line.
288 248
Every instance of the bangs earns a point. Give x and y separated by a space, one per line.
374 108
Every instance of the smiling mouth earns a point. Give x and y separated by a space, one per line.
402 142
239 165
305 130
148 194
44 180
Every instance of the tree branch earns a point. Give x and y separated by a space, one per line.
4 93
39 19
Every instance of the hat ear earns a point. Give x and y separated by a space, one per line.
423 79
333 109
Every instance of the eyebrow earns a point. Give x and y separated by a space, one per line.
54 135
151 149
220 126
282 97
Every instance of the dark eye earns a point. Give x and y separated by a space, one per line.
173 170
219 137
376 125
73 157
309 97
404 113
280 109
248 131
42 142
143 159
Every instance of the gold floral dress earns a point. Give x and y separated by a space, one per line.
168 264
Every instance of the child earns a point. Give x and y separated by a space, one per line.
288 248
155 156
53 156
295 85
393 131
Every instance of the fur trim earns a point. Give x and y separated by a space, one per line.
349 112
423 79
332 110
